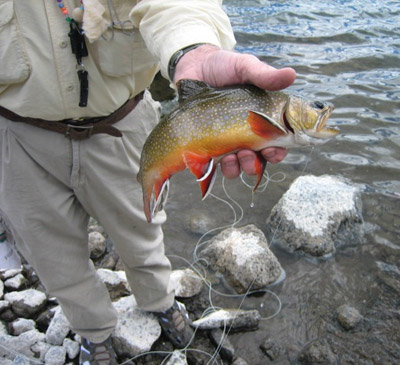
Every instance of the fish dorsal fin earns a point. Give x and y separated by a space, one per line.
189 88
264 126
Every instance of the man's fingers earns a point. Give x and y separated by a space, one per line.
230 166
274 154
244 160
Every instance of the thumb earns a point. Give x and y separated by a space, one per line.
251 70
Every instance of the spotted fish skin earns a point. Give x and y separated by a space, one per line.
208 124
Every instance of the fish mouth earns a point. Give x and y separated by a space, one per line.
321 130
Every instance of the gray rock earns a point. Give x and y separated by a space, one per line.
4 304
72 348
26 303
40 349
220 339
136 330
316 213
243 256
21 360
97 244
1 289
177 358
186 283
19 345
116 282
348 317
271 349
235 319
58 328
318 352
17 282
55 356
239 361
21 325
3 329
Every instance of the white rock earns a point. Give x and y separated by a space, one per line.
26 303
72 348
1 289
186 283
315 212
40 348
136 330
242 255
116 282
6 274
17 282
97 244
21 325
177 358
4 304
55 356
58 328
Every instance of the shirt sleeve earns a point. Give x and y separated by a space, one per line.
170 25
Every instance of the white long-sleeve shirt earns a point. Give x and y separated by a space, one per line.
38 75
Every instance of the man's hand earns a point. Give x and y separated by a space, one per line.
219 68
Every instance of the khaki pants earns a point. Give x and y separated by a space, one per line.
50 185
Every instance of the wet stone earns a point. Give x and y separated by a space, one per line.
220 339
316 214
348 317
242 255
271 349
318 352
235 319
186 283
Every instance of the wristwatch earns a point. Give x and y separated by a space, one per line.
177 56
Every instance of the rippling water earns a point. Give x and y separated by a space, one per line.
347 53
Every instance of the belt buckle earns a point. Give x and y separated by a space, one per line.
79 131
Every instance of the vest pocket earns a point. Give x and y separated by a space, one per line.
15 65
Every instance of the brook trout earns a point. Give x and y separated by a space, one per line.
210 123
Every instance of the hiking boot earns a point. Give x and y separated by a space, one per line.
97 353
175 324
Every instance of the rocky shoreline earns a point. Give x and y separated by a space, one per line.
34 330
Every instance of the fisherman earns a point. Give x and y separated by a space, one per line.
72 128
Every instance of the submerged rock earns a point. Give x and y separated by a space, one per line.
316 213
348 317
235 319
242 255
318 352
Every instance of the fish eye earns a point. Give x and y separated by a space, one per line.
319 104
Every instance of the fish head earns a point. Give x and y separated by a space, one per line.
307 119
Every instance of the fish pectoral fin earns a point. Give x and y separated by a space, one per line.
264 126
159 196
203 167
197 164
260 164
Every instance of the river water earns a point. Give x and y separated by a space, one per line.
347 53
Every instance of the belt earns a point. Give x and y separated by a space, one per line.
79 129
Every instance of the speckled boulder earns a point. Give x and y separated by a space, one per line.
316 214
